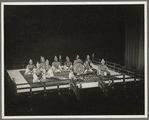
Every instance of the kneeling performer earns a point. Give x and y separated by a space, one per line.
30 68
56 65
87 65
39 74
49 71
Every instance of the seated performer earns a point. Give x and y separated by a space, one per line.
102 69
30 68
60 60
77 60
56 65
67 64
49 71
39 74
87 65
42 62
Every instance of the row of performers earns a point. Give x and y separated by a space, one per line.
43 70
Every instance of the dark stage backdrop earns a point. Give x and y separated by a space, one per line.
134 43
34 31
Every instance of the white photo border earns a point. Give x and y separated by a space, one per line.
76 3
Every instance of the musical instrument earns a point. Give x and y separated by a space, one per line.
78 68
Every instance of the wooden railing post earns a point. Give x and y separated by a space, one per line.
80 86
123 78
93 57
57 86
114 66
44 87
112 81
135 79
30 89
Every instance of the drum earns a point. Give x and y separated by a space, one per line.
78 68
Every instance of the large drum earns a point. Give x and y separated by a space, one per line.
78 68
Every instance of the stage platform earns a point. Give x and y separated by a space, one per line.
24 83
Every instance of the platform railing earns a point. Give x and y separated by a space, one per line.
120 68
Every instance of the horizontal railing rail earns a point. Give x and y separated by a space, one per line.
120 68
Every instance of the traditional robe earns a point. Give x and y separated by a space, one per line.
39 75
49 71
67 65
29 69
43 65
102 70
56 66
87 66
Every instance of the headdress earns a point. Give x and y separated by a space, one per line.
37 64
30 61
55 58
60 57
47 61
67 58
88 57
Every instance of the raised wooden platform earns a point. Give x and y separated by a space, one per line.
24 83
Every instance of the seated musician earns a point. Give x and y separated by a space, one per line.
56 65
61 67
67 64
102 69
30 68
78 67
87 65
49 71
60 60
42 62
39 74
77 60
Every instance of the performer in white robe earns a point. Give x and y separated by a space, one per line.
30 68
56 65
102 69
87 65
42 62
67 64
49 71
39 74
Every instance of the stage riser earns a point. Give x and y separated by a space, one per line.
80 86
24 86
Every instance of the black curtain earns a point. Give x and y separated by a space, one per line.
134 37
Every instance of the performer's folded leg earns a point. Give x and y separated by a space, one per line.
35 78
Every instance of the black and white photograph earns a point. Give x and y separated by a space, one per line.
74 59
